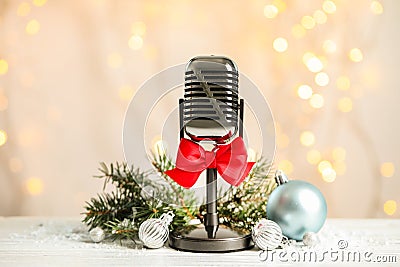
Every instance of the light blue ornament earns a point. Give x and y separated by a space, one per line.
297 207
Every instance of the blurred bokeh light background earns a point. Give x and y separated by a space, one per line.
329 69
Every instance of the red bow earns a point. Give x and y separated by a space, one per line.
230 160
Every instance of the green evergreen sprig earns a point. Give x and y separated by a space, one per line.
121 210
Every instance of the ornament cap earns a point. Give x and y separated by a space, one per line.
167 218
280 177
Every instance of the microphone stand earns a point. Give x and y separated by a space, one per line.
211 221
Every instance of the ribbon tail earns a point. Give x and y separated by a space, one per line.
183 178
236 181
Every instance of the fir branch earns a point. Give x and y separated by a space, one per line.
119 203
126 201
241 207
123 229
163 163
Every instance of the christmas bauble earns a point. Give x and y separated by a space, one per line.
267 234
310 239
97 234
297 207
154 232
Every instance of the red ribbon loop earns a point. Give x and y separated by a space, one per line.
230 160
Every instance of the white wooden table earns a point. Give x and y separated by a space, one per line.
34 241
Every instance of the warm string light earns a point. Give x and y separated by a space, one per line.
270 11
307 138
3 137
316 101
345 104
308 22
321 79
280 44
34 186
343 83
3 66
376 7
313 63
32 27
135 42
280 4
138 30
390 207
23 9
320 17
323 165
115 60
387 169
328 170
329 7
39 2
328 175
356 55
304 91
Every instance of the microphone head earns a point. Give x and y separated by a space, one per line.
211 99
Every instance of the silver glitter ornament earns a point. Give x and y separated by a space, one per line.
310 239
97 234
154 232
267 234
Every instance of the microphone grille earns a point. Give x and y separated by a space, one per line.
211 93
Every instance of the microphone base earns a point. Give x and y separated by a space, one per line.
195 239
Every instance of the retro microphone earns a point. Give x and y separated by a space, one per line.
211 113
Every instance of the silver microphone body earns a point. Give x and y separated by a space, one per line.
211 106
211 111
